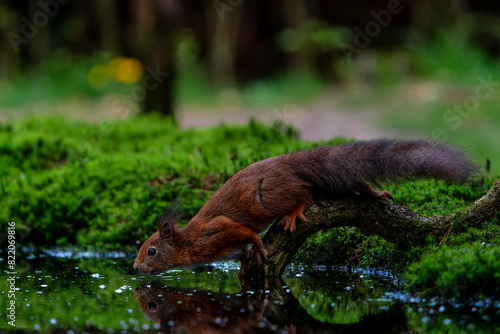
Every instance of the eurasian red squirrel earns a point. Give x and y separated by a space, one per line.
282 187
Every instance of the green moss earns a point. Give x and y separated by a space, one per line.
332 247
469 270
106 184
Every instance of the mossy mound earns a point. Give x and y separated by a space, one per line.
470 270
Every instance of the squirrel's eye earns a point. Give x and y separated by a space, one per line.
152 306
151 251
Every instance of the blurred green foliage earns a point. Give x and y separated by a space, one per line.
434 89
194 89
313 37
57 78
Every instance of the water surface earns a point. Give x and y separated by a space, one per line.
62 292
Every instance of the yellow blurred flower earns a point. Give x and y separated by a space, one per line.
126 69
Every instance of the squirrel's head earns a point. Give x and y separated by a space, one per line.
158 253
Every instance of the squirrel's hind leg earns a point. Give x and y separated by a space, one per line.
370 192
384 194
243 260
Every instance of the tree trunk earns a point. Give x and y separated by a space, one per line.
296 15
223 28
148 27
394 223
427 16
109 29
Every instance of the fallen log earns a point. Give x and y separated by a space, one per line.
388 220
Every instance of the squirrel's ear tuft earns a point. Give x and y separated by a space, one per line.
167 222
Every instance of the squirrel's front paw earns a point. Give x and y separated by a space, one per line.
260 255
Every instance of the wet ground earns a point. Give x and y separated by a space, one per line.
64 292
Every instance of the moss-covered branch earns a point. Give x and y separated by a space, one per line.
386 219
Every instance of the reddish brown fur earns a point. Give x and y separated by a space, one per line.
283 187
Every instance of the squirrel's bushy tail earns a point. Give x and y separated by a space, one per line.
344 167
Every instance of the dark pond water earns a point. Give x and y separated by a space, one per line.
63 292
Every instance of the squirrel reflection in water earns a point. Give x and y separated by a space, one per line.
181 310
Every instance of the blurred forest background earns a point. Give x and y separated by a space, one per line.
76 78
236 54
331 68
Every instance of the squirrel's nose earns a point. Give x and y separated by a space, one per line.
136 266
